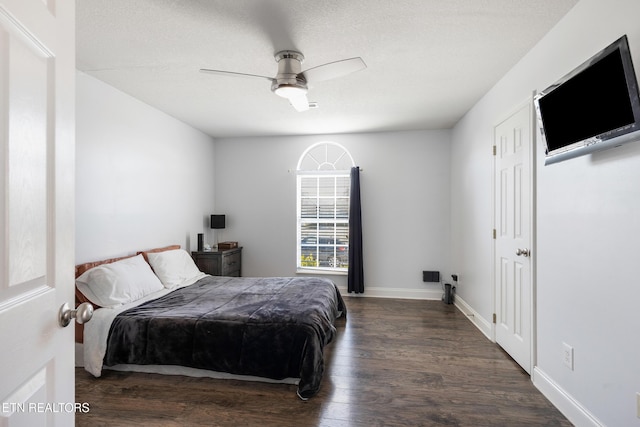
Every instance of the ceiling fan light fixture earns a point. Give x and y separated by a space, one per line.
291 82
290 91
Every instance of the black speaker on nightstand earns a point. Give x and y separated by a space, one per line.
200 242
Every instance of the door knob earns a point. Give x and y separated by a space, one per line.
523 252
82 314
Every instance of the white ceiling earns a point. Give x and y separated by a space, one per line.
428 61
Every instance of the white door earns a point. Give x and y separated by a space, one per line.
37 101
513 215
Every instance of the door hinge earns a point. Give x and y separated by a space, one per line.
494 233
494 318
495 150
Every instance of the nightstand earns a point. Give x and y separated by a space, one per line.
219 263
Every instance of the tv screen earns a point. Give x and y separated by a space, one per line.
594 107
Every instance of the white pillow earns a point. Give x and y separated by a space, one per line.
120 282
174 268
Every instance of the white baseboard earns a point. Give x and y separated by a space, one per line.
402 293
570 408
480 322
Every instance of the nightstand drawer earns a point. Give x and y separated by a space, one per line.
231 264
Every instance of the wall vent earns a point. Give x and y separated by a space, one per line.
431 276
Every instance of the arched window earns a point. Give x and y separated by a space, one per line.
323 207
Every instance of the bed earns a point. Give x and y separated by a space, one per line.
156 312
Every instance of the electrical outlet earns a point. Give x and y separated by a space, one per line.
567 355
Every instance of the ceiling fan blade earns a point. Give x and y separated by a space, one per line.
300 102
234 74
334 69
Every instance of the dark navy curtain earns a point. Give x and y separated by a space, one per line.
355 277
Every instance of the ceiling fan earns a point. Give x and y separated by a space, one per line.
292 83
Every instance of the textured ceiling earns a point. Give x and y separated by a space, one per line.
428 61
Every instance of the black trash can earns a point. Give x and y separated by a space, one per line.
448 294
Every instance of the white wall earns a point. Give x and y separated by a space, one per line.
143 178
588 212
405 197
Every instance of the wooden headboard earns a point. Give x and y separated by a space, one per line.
166 248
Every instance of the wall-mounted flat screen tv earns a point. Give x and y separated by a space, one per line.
593 108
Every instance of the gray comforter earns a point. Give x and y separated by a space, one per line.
273 327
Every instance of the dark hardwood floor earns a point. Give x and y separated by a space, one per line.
393 363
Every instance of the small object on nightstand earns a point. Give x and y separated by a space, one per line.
220 262
223 246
